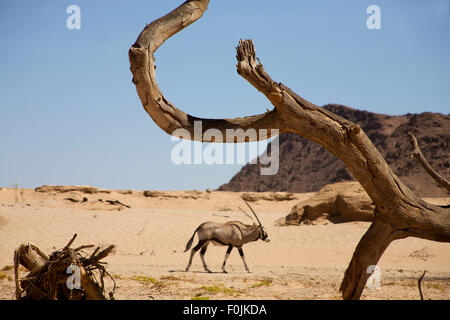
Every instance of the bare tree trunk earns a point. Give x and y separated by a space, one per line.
367 253
399 213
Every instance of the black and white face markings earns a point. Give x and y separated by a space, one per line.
263 235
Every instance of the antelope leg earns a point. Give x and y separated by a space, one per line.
241 252
193 251
226 257
202 256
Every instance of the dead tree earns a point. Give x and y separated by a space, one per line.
398 212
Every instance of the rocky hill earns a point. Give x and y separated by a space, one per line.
306 166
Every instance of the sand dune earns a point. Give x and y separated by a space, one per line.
301 262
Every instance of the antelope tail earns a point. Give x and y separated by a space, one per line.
189 244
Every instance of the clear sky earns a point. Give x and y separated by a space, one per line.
69 113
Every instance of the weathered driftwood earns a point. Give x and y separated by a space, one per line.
47 277
398 212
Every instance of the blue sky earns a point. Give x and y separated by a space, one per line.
69 113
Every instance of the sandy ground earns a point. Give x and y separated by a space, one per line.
301 262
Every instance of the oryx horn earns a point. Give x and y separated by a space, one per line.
253 212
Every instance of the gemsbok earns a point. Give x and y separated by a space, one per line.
231 234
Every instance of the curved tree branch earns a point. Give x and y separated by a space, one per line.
398 214
417 154
165 114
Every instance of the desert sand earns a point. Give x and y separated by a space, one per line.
300 262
